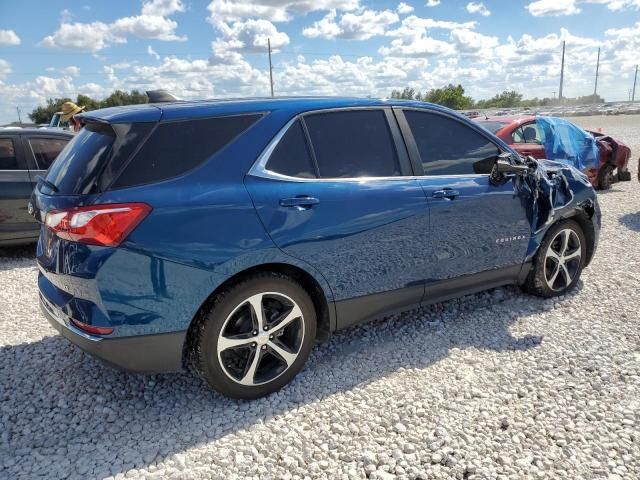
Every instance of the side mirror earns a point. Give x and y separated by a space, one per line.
506 165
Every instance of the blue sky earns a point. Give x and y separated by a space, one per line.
217 48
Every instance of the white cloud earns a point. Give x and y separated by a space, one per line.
403 8
542 8
152 52
92 37
468 41
479 8
5 69
432 3
9 37
248 36
272 10
360 26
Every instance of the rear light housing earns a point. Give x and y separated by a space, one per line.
105 225
92 329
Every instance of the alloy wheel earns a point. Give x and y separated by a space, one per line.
261 338
562 259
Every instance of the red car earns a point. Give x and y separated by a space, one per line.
523 135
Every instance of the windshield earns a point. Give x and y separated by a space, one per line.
493 127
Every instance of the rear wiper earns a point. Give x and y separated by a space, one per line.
44 181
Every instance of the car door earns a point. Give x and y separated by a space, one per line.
336 190
528 139
479 231
15 189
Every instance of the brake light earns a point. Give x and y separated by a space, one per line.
107 225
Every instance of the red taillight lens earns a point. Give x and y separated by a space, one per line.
92 329
107 225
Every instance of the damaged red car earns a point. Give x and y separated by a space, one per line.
529 135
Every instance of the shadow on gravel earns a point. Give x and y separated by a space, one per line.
61 410
631 221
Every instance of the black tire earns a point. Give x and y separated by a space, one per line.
207 359
537 282
605 177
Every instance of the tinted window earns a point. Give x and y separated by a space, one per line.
176 147
493 127
449 147
291 155
8 160
354 143
75 170
45 150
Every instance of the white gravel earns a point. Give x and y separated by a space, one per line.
499 385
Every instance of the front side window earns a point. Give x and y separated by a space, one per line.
352 144
448 146
45 150
529 133
8 159
291 156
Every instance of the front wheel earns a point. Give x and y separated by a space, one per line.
559 262
256 337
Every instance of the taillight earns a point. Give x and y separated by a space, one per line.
91 329
107 225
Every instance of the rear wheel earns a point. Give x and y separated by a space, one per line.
256 337
605 177
559 262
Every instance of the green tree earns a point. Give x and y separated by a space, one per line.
506 99
43 114
451 96
406 94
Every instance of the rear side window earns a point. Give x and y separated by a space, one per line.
529 133
8 160
493 127
291 156
351 144
45 150
75 170
177 147
449 147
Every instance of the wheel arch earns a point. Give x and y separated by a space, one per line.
583 219
325 310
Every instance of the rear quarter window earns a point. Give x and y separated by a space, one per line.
174 148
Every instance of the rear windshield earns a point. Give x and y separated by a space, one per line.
72 172
103 157
493 127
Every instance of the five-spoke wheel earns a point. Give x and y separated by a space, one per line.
562 259
261 338
256 336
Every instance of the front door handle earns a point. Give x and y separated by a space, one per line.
301 202
446 193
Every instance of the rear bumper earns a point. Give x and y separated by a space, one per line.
156 353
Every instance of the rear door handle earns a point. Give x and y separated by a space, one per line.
302 202
446 193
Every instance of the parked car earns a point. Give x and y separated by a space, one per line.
25 153
230 235
524 135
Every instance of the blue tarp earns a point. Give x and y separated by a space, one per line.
566 142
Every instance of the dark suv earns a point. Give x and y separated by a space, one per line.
230 235
25 153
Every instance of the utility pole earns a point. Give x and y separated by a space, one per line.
554 94
270 67
635 79
561 73
595 89
19 117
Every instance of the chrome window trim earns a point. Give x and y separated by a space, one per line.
259 167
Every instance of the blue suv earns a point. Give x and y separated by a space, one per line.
231 235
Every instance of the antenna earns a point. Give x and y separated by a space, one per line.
561 72
270 67
595 88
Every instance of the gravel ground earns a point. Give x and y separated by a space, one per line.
498 385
